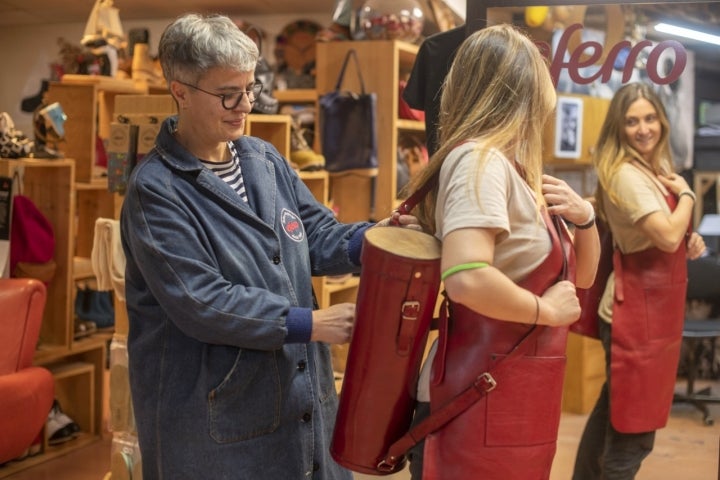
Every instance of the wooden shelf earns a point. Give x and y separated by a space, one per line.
88 101
272 128
411 125
298 95
50 185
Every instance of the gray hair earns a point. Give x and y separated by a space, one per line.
194 43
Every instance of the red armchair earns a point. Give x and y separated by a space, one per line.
26 391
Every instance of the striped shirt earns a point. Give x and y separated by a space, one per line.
230 172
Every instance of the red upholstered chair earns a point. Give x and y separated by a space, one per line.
26 391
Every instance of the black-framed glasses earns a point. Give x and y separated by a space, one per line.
230 101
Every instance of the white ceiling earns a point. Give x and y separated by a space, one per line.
43 12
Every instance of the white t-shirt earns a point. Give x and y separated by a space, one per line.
477 192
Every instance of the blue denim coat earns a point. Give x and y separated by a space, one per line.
210 281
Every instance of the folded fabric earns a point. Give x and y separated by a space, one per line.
108 258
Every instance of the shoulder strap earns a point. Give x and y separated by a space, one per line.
483 384
351 53
408 204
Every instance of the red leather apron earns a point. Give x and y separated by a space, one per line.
512 431
647 323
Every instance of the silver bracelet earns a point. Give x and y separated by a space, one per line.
689 193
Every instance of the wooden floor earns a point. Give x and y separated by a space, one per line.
686 449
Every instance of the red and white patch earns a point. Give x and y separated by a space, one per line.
292 225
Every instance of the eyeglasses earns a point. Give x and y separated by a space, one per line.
230 101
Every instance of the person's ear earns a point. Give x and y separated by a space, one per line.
179 93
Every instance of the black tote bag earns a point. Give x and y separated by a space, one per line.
348 126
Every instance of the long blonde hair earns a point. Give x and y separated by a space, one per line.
613 148
499 93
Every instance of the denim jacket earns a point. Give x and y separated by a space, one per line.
218 388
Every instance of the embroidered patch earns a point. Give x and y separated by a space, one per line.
292 225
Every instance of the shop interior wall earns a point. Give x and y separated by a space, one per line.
28 51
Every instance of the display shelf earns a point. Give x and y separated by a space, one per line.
296 95
329 293
272 128
73 194
85 398
74 392
88 102
383 63
49 184
411 125
317 182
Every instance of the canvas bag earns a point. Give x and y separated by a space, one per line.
348 126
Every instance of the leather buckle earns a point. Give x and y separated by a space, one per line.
410 309
390 464
485 382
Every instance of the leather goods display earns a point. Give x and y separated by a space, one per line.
399 285
587 324
348 126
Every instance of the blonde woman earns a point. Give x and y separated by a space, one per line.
648 209
503 262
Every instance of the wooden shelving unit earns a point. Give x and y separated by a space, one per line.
383 64
77 366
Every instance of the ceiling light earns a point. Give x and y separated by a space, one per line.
687 33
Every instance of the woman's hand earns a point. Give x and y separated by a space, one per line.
334 324
674 182
559 305
397 220
695 246
564 201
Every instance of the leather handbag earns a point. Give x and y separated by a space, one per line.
348 126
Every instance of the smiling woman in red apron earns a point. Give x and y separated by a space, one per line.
648 209
508 263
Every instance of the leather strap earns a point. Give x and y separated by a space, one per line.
351 53
409 203
484 383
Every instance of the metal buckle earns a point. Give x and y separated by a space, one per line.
410 309
386 467
487 381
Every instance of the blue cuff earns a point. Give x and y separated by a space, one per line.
299 325
355 244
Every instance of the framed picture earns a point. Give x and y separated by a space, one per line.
568 127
